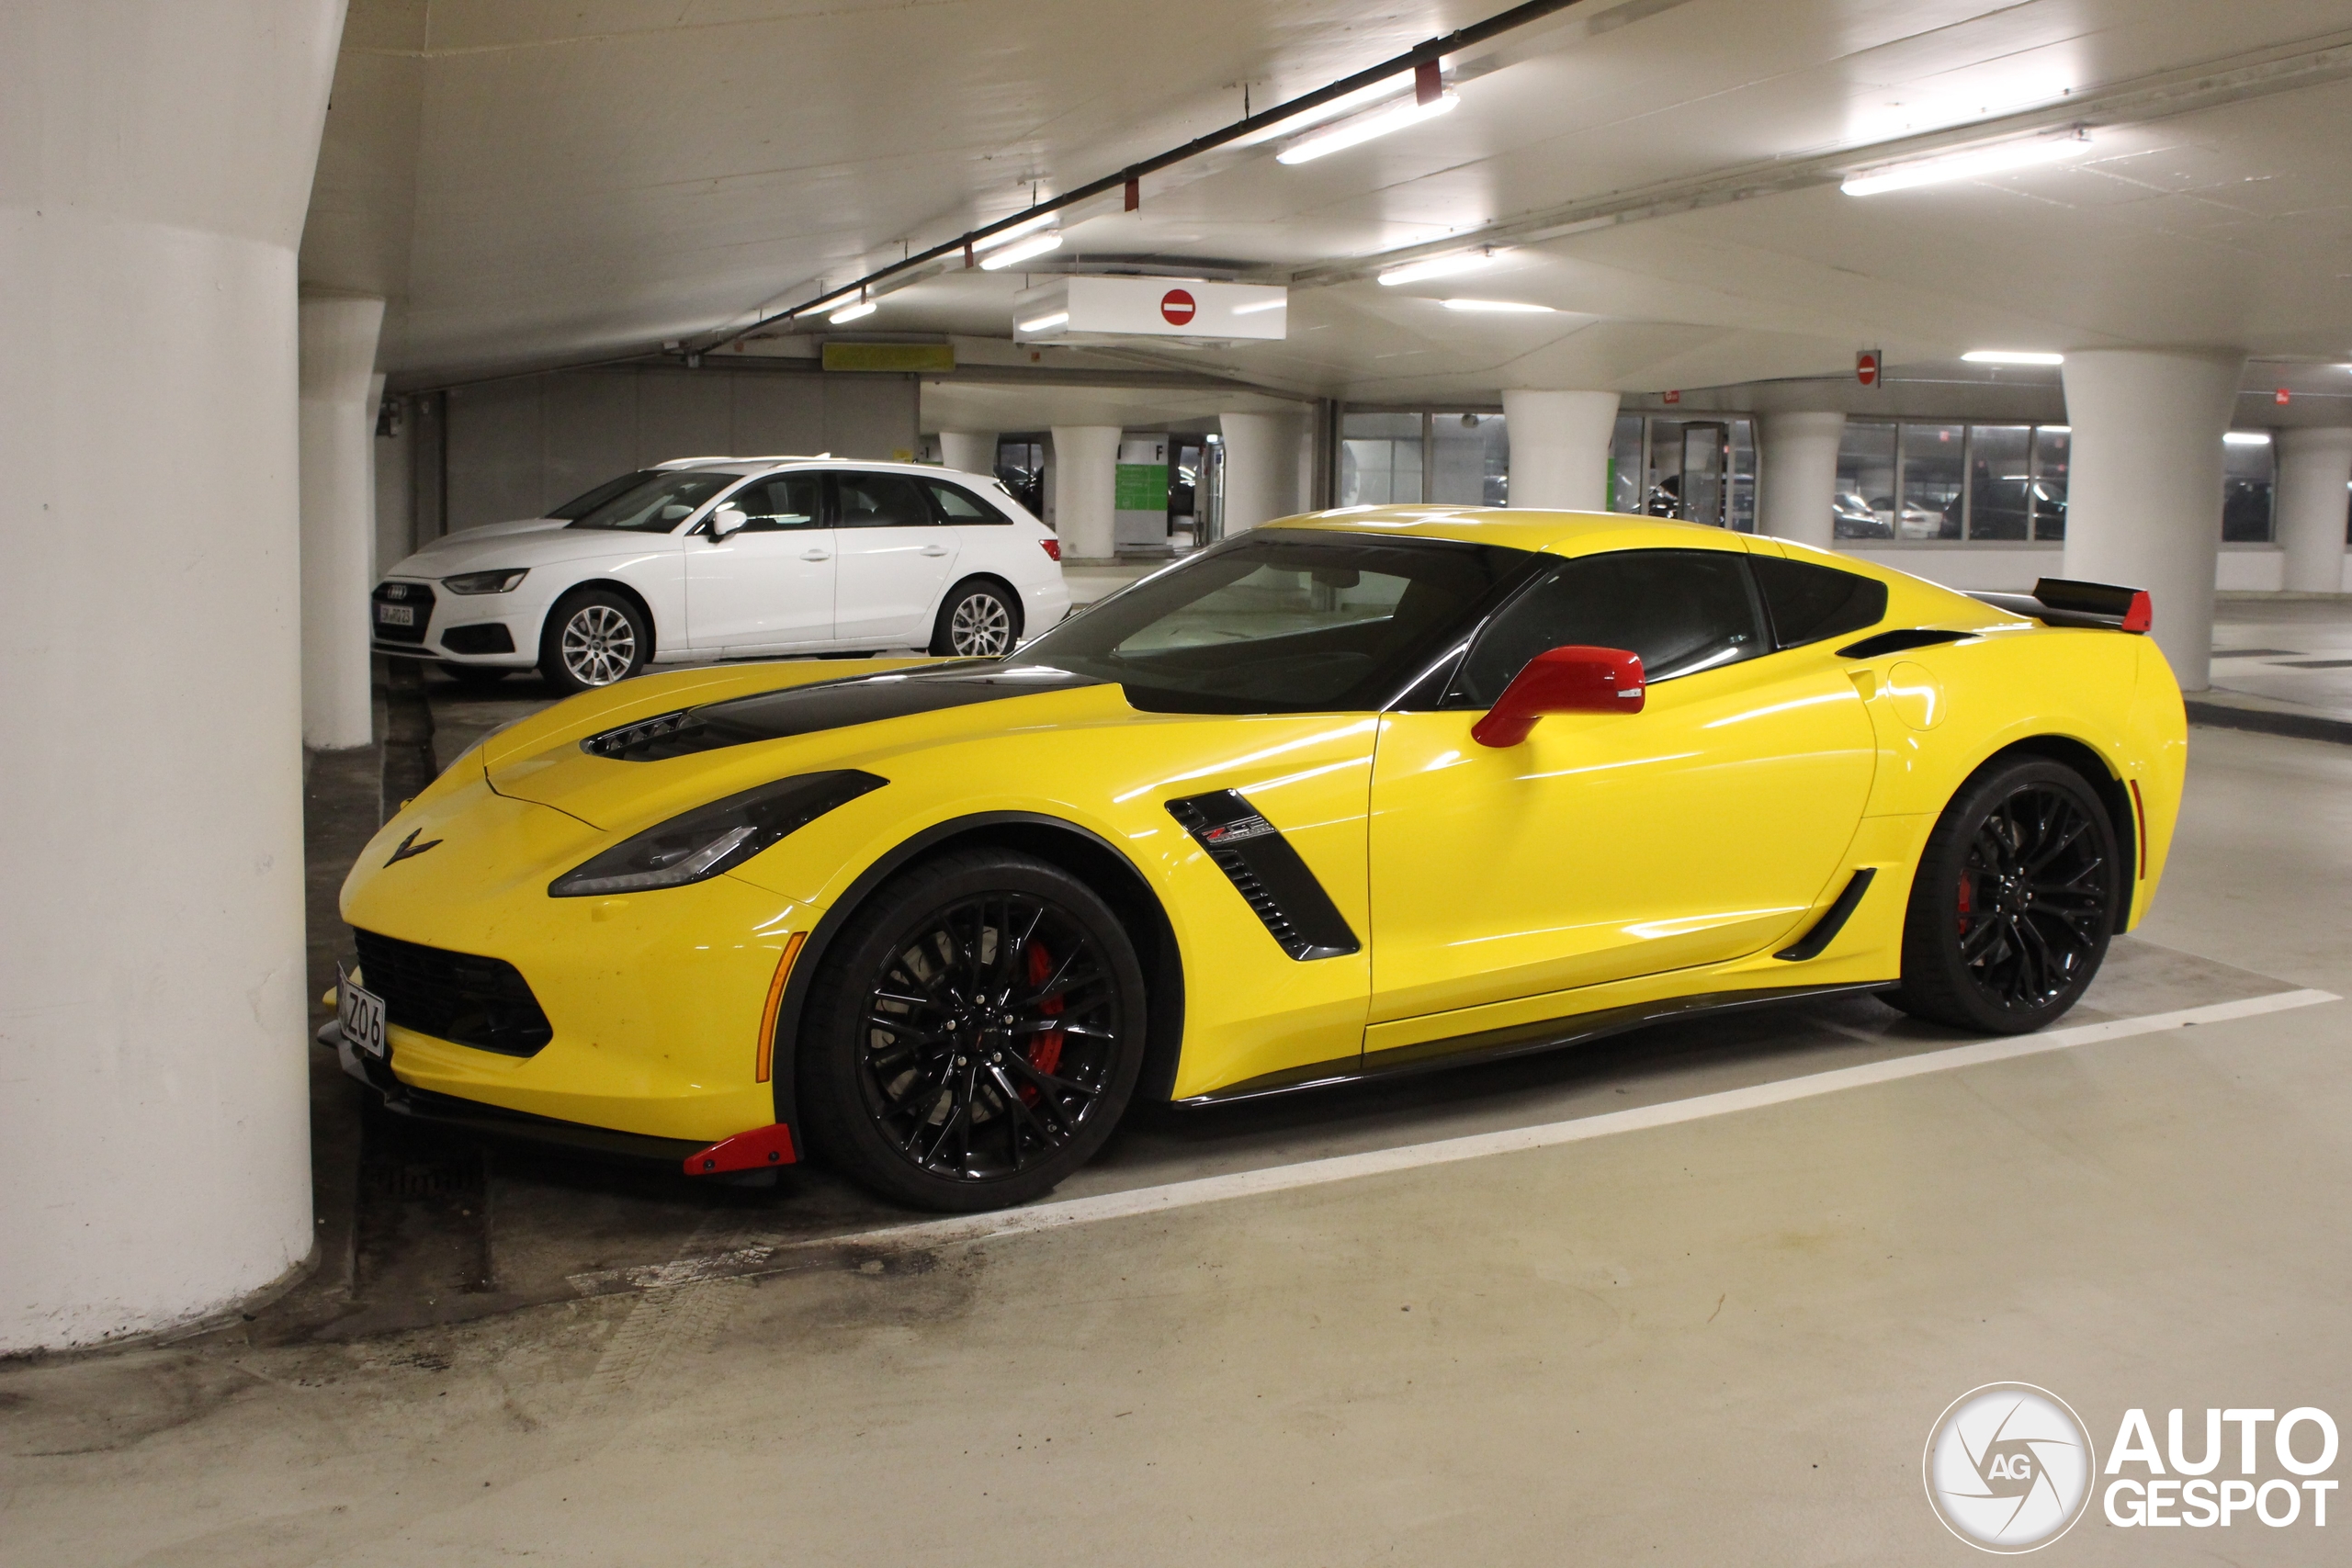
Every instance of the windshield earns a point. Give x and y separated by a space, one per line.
588 501
657 504
1282 622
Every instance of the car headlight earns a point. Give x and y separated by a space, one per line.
502 582
711 838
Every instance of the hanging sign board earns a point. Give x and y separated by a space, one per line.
1076 308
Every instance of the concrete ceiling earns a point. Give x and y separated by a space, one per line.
545 180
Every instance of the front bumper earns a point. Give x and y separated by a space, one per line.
494 630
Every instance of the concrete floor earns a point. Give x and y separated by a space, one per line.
1720 1340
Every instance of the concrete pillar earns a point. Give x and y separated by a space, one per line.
1262 467
155 1162
972 451
2144 495
1799 464
1086 479
1559 448
338 430
2314 468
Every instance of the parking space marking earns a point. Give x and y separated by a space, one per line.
1136 1202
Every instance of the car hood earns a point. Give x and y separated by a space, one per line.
675 742
543 541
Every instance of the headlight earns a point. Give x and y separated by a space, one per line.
710 838
486 582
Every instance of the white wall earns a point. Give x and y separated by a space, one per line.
2240 568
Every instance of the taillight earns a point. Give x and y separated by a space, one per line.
2141 614
1054 549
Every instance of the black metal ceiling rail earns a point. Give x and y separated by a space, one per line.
1419 54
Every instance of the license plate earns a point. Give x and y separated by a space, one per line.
361 1013
396 615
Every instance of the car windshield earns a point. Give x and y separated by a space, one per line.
588 501
1282 622
659 504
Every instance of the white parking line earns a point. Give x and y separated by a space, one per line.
1059 1215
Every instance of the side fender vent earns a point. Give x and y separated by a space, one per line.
1268 874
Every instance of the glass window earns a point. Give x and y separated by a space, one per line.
1739 510
956 505
588 501
1282 622
2051 445
1469 459
659 504
1625 464
1021 468
1683 611
781 501
1864 505
1808 602
2246 487
1380 459
2000 482
881 501
1934 471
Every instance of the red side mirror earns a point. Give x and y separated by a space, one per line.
1565 680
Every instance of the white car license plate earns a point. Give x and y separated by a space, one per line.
396 615
361 1013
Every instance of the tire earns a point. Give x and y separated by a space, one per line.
980 618
593 638
2014 902
481 675
913 1077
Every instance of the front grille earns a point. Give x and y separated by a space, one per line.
482 1002
416 595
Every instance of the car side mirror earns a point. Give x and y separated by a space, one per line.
1565 680
725 521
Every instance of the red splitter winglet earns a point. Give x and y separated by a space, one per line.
754 1150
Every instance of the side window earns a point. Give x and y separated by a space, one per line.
788 501
1683 611
881 501
1808 602
956 505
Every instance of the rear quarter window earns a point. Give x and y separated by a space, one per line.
1808 602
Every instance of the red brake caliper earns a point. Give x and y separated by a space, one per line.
1046 1049
1964 905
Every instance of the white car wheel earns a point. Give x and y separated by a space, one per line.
979 620
593 640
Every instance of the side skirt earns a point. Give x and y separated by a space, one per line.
1522 1040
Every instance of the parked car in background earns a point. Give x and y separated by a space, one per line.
721 558
1853 517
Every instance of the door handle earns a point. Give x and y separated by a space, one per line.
814 554
935 550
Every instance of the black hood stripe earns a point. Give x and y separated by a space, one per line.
822 705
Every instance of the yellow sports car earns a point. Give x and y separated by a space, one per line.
1372 791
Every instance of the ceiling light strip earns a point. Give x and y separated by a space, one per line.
1427 52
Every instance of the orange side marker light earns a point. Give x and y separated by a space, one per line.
766 1057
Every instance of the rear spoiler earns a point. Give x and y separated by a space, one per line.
2062 602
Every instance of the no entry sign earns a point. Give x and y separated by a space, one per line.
1176 307
1866 367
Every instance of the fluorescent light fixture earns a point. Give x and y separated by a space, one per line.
1346 104
1059 318
2011 356
1351 132
1278 304
1036 245
1500 307
1006 236
2246 438
1437 266
856 313
1971 164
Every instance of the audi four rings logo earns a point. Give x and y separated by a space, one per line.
2008 1467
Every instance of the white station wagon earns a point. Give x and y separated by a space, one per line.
714 557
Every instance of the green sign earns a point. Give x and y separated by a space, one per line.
1141 487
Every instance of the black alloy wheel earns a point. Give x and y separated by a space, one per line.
978 619
975 1033
594 638
2015 901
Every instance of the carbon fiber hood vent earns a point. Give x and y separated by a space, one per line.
829 705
